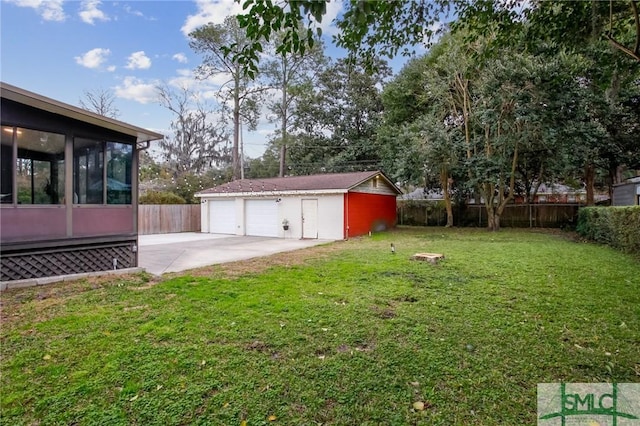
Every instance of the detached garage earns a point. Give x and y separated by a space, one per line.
328 206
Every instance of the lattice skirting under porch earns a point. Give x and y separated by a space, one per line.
66 260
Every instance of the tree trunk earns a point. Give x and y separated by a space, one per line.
283 148
493 219
589 180
235 155
444 182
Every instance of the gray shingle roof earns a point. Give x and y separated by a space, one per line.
328 181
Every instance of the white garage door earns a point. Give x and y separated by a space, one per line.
222 217
262 218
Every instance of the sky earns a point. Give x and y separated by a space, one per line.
62 49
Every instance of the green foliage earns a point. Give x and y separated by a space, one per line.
348 335
336 121
618 227
161 197
187 185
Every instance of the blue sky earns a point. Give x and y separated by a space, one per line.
61 49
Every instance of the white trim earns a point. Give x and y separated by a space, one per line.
271 194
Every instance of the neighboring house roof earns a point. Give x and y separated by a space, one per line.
424 194
333 182
34 100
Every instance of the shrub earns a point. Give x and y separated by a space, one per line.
617 226
161 197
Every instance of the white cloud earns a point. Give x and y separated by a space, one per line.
90 12
185 80
132 11
210 11
138 61
49 10
137 90
333 10
180 57
94 58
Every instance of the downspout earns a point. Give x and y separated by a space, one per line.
346 216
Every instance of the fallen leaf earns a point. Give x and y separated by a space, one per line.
418 405
225 405
158 387
47 357
272 418
203 362
243 423
415 383
134 398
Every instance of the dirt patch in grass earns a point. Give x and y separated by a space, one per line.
383 313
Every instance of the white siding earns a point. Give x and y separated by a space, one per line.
330 215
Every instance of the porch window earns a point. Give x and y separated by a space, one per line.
96 162
38 168
119 157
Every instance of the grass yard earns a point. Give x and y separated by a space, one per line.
342 334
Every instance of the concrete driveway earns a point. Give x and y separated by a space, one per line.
162 253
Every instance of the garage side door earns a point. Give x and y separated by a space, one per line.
261 218
222 217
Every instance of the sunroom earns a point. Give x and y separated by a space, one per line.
68 188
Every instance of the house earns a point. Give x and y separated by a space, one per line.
68 188
626 193
326 206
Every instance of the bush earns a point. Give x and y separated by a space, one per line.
617 226
161 197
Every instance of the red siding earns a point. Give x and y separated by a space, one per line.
32 223
368 212
98 221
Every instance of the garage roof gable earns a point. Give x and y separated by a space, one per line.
334 182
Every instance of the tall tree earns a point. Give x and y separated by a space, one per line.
101 101
239 90
337 119
288 73
196 142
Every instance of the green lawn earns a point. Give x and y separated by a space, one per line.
342 334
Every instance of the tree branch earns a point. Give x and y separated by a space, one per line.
617 45
636 17
636 52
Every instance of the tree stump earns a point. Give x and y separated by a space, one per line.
432 258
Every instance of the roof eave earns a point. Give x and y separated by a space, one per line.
271 193
47 104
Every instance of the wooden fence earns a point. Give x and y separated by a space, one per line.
167 218
430 213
